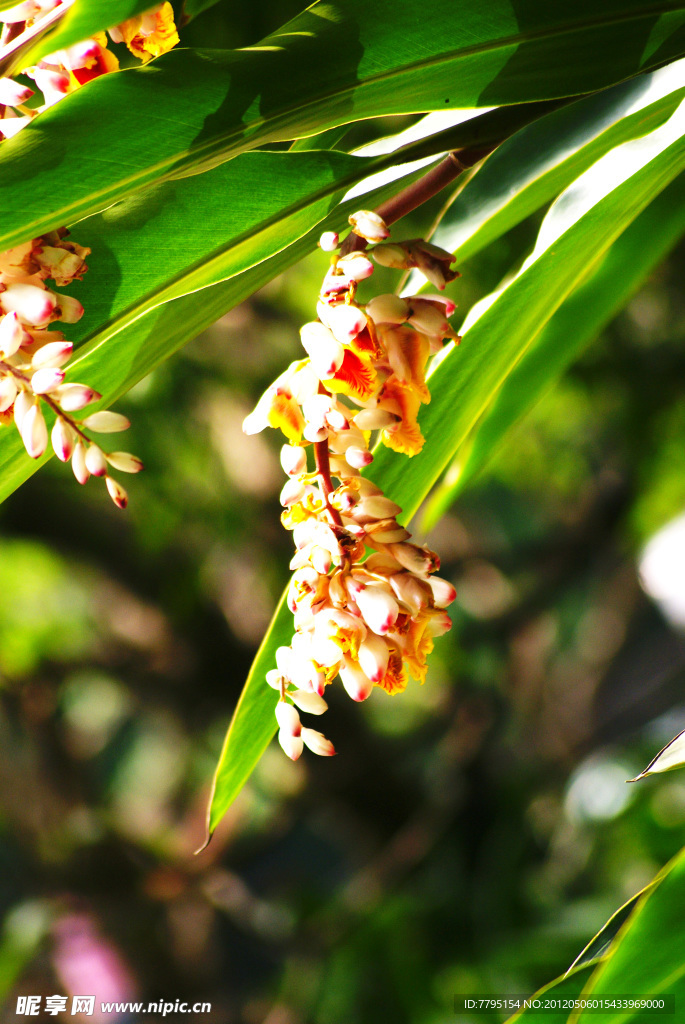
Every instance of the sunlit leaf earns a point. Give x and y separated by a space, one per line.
334 63
574 325
599 946
562 989
672 756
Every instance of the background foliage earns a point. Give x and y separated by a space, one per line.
476 833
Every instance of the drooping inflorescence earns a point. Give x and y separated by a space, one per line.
33 362
364 598
32 359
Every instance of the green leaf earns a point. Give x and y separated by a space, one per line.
672 756
600 945
569 986
648 956
541 160
333 64
575 324
573 240
191 8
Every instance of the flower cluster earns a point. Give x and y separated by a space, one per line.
146 35
32 361
364 598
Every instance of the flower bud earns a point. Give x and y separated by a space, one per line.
343 320
358 457
69 309
33 305
356 266
34 432
329 241
288 718
96 462
106 422
317 742
324 350
293 459
374 419
357 683
22 403
116 492
292 745
54 354
373 657
78 463
388 309
443 591
11 92
419 560
46 380
72 397
125 462
378 607
8 392
367 224
312 703
293 490
11 335
63 440
393 256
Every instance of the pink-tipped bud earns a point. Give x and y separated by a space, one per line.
33 305
443 591
69 309
374 654
72 397
78 463
312 703
293 490
292 745
325 352
345 321
125 462
439 622
96 463
8 392
356 266
63 440
358 457
11 92
374 419
329 241
34 432
11 334
369 225
46 380
54 354
293 459
106 422
388 309
288 718
53 84
22 403
376 506
317 743
356 682
416 559
25 11
116 492
378 607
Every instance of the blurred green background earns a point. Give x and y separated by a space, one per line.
471 835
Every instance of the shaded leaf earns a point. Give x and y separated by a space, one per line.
599 946
569 986
648 954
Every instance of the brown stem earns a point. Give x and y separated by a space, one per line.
323 468
420 191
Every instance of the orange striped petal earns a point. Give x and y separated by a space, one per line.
356 377
404 437
395 679
286 415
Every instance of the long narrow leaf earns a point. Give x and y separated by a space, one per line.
335 63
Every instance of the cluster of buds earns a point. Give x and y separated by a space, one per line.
146 35
33 359
364 598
